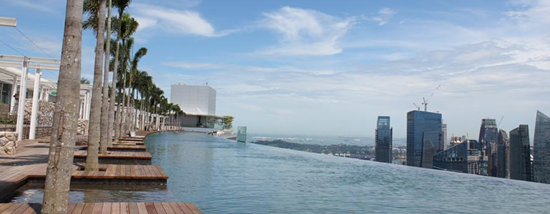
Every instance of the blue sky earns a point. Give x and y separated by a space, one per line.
331 67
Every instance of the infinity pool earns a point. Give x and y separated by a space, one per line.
222 176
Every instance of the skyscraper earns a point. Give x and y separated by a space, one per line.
424 138
502 154
541 161
444 129
488 137
383 150
520 154
463 157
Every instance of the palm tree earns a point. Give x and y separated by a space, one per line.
121 5
137 89
105 133
95 109
61 153
129 26
133 70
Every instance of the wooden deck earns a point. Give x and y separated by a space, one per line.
104 208
117 157
131 139
111 172
13 178
124 148
130 143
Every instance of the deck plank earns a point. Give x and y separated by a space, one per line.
105 208
185 208
21 209
115 208
71 208
133 208
97 208
159 208
193 208
78 209
88 208
124 208
141 208
150 208
167 208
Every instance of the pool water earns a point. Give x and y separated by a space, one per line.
223 176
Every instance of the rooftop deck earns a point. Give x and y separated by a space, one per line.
124 148
117 157
104 208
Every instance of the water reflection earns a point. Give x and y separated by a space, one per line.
99 193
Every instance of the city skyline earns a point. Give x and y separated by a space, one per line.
320 64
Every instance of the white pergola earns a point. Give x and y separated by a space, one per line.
8 65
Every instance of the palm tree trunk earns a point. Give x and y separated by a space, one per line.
118 113
123 109
126 117
95 109
142 120
105 133
112 125
65 119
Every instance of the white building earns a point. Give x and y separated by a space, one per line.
199 104
194 99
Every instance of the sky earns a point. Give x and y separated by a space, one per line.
331 67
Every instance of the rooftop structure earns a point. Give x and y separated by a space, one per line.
199 104
488 137
194 99
541 162
424 137
463 157
520 154
383 150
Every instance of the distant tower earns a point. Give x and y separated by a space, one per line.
444 129
488 137
520 154
541 162
424 138
383 150
502 154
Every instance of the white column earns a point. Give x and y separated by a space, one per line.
13 90
47 95
22 96
87 105
41 94
35 104
157 122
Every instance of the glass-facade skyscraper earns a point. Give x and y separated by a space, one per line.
541 150
424 138
502 154
488 137
520 154
383 149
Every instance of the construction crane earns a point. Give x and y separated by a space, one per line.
425 101
417 107
500 121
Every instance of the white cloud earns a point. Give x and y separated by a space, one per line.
189 65
305 32
479 80
48 6
173 21
383 16
174 4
